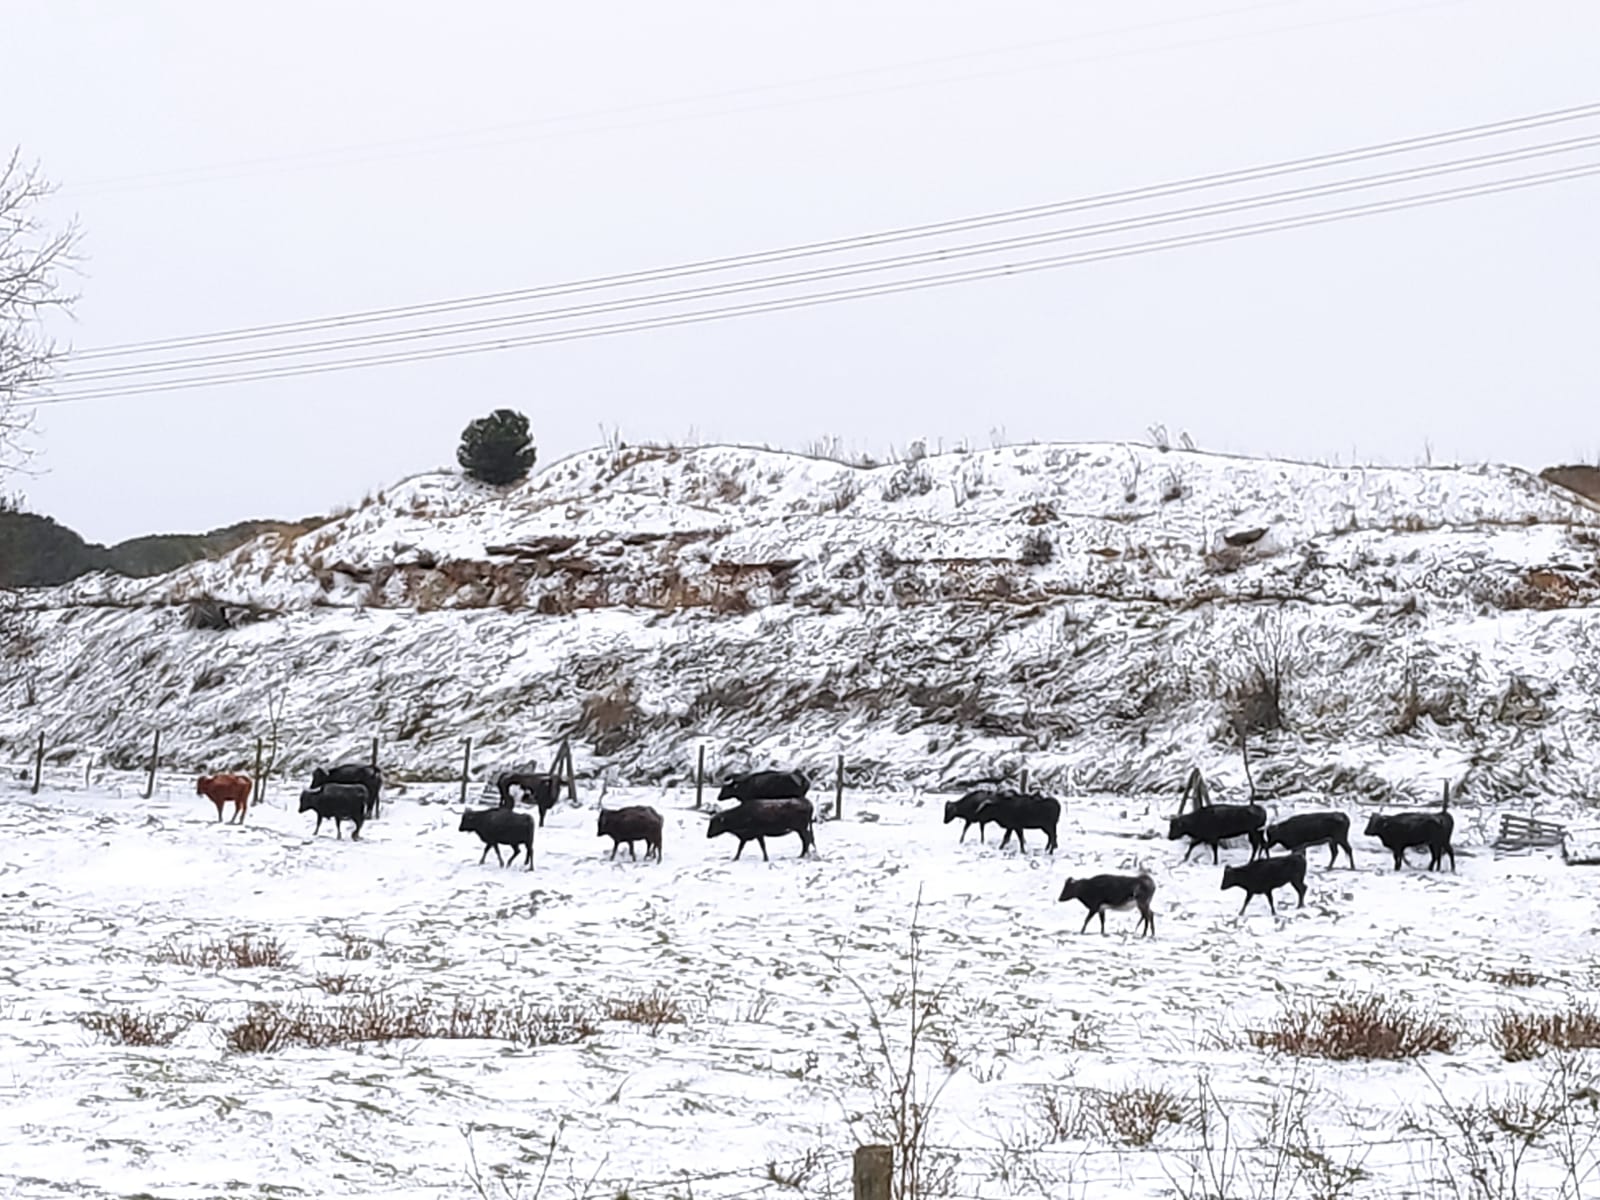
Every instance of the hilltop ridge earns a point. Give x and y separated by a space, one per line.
1107 614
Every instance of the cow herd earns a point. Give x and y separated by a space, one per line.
1211 825
774 804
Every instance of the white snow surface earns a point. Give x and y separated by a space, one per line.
770 962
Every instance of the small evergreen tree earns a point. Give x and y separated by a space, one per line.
497 449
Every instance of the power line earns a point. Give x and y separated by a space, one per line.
704 266
429 333
838 295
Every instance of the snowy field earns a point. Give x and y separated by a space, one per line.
765 1085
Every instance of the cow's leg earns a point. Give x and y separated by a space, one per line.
614 845
1333 855
1301 888
1192 846
762 842
1215 846
634 854
1087 917
740 850
1270 903
528 846
484 857
1102 922
1248 896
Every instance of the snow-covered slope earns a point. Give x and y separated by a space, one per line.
1101 615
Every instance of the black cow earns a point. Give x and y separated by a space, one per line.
537 789
761 819
337 802
969 809
1122 892
1017 811
1260 876
1401 831
1216 823
765 785
500 827
636 823
367 776
1330 829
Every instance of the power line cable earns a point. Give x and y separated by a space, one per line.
704 266
838 295
870 266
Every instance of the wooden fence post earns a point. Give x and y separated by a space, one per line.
699 776
374 759
38 765
1024 788
466 768
155 754
572 775
260 786
873 1172
88 769
838 790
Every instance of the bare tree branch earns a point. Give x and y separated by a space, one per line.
33 258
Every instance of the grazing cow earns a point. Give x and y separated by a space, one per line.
500 827
226 789
761 819
367 776
636 823
1017 811
537 789
1216 823
1260 876
1331 829
969 809
1401 831
337 802
1122 892
765 785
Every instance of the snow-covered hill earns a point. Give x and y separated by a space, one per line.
1100 615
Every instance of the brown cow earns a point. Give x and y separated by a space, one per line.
226 789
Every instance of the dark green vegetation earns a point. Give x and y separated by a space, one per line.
36 551
497 449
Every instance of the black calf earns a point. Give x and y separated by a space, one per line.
1262 875
1215 824
1331 829
1122 892
500 827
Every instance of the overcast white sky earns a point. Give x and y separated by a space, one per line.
236 165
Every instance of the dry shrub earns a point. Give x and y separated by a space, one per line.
1520 1036
393 1018
1370 1027
131 1027
650 1009
1135 1115
242 950
1514 977
340 983
1037 549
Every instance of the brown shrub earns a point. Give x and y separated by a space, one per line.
243 950
650 1009
1371 1027
391 1018
131 1027
1520 1036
